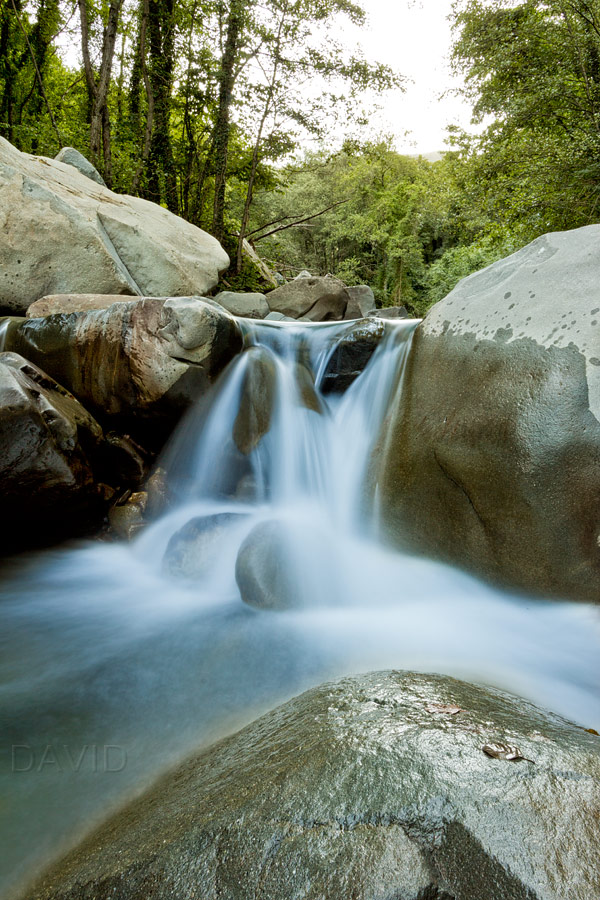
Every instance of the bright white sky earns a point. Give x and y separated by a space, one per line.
414 37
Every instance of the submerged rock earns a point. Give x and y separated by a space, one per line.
50 448
351 355
491 458
394 785
313 299
138 362
262 569
64 233
192 549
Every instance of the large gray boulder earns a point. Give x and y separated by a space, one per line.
50 448
136 361
491 457
314 299
247 305
361 302
64 233
394 785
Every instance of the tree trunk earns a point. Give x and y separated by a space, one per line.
222 124
98 83
161 29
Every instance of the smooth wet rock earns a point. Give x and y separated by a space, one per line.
313 299
247 305
361 302
193 548
491 458
68 303
73 157
137 362
50 448
127 518
257 399
262 568
375 786
63 233
352 355
285 565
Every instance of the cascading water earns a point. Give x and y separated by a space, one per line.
113 668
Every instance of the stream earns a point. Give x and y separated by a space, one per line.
112 669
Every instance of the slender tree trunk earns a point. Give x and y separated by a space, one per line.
222 124
98 83
161 29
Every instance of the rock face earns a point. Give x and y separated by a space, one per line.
250 306
311 298
63 233
376 786
139 361
351 355
492 455
49 448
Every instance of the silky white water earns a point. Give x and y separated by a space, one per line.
112 670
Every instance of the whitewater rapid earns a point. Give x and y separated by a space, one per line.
112 670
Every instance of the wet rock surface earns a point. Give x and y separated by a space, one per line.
50 453
136 362
68 303
64 233
351 355
491 458
373 786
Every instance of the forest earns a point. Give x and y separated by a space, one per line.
223 111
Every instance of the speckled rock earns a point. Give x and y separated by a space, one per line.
133 362
64 233
491 457
377 786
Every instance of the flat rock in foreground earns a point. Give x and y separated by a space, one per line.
394 785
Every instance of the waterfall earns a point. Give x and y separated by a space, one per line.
114 665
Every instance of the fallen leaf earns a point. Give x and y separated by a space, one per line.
441 708
504 751
592 731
